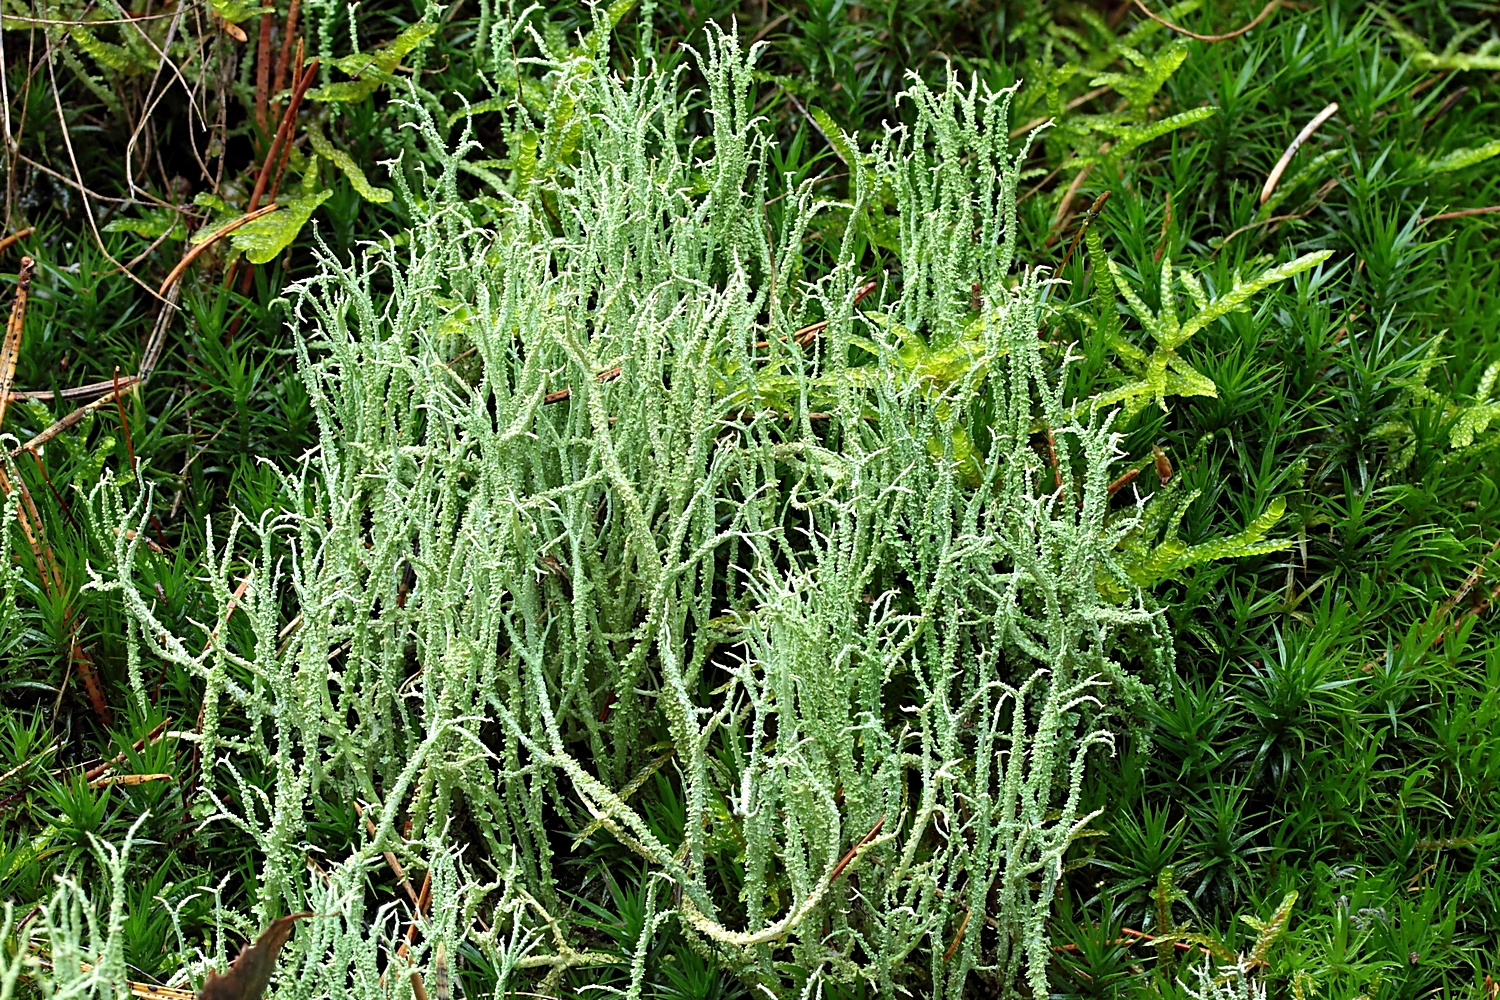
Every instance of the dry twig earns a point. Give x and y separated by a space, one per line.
1265 13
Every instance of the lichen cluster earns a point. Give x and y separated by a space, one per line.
865 621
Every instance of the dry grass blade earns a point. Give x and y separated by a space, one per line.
89 391
48 569
118 759
146 991
128 780
248 977
1286 158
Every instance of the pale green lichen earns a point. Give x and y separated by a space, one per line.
477 607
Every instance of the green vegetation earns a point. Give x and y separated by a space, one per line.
738 500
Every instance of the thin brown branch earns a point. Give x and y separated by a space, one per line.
273 154
263 67
124 424
283 59
391 860
958 935
88 209
1448 104
1465 213
62 424
305 82
213 238
99 769
608 375
847 859
1317 199
70 182
1088 220
1265 13
1123 481
807 334
15 238
10 349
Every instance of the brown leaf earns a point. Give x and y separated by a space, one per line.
441 985
251 972
1163 465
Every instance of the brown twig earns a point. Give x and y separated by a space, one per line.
128 779
48 569
272 168
62 424
1265 13
10 349
608 375
15 238
1052 460
284 58
1474 577
958 935
1166 227
807 334
847 859
1316 200
1134 937
263 67
213 238
139 745
124 424
1125 480
1447 106
1088 219
392 860
1465 213
1065 207
93 389
67 508
306 81
273 154
130 264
